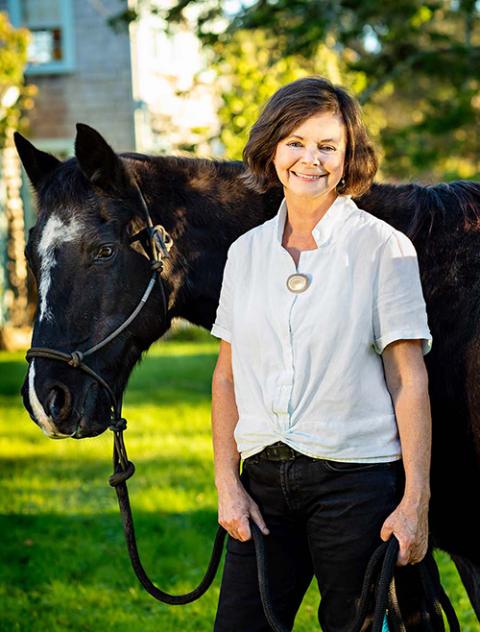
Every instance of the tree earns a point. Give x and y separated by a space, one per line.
249 75
14 97
419 62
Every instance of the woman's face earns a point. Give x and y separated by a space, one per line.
310 161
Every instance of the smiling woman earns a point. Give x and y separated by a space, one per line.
310 301
339 129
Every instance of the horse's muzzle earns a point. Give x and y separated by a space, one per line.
61 410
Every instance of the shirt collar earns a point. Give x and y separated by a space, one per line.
323 231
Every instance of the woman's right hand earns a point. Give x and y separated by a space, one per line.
235 507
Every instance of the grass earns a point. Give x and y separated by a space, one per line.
63 560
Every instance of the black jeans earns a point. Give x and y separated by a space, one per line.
324 518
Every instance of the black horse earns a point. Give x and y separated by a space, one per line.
91 276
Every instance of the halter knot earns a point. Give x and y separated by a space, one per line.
120 476
157 266
160 240
77 358
118 425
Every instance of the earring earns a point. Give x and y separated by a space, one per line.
341 184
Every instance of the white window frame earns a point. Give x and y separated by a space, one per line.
67 64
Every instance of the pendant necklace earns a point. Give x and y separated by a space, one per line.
298 282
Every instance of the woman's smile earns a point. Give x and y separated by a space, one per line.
308 177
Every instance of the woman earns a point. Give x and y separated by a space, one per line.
320 385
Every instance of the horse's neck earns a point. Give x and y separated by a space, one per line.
204 208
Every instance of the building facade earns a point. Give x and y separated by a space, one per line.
141 88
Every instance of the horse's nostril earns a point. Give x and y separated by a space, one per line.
58 402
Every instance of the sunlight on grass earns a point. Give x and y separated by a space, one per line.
63 560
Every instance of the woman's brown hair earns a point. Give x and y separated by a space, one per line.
287 109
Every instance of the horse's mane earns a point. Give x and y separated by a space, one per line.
454 204
419 208
191 165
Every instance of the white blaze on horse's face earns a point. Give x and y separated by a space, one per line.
44 421
55 233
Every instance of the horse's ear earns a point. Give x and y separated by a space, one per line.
98 162
38 164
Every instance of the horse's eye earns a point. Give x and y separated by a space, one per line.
105 252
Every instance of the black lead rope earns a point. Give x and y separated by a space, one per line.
129 530
385 595
123 469
157 242
385 555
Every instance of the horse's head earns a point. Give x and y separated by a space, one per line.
90 278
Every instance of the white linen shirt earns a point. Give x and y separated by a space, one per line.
307 367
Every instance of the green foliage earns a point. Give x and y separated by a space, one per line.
251 71
418 61
63 559
13 94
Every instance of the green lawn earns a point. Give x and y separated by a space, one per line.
63 561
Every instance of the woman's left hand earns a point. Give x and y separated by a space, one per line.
409 523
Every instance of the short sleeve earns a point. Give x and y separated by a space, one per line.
399 309
222 327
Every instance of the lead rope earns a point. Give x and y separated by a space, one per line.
435 597
123 469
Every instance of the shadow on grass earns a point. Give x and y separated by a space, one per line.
175 547
73 572
88 553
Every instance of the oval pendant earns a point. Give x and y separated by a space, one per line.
297 282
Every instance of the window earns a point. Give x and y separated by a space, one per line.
50 22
